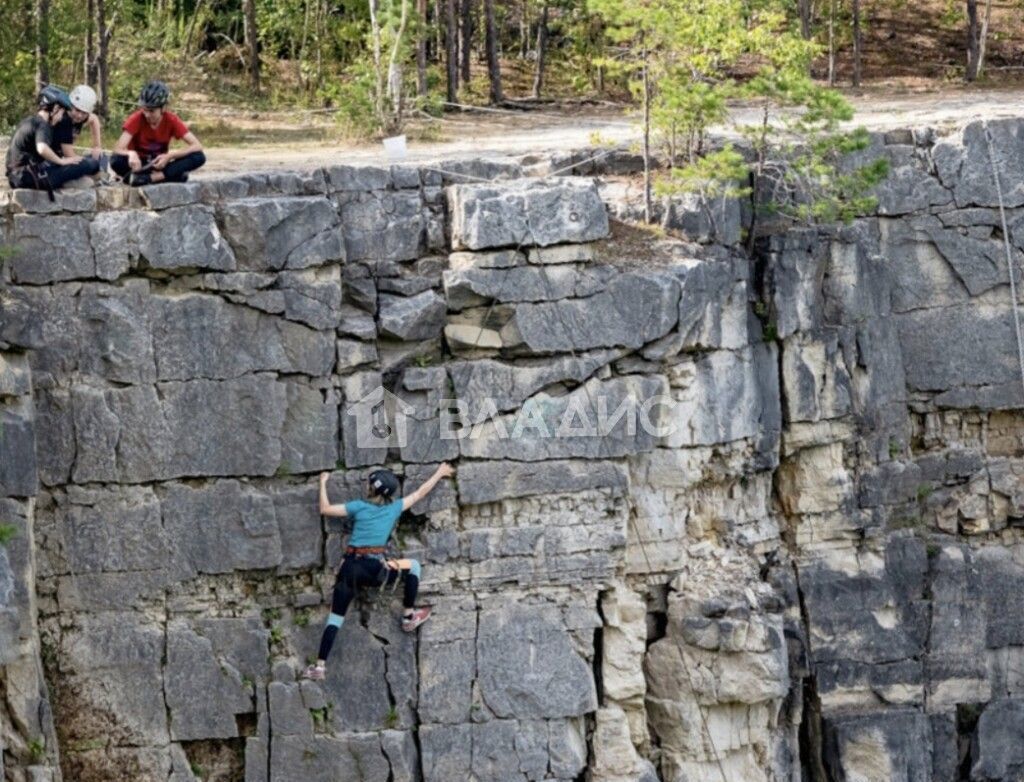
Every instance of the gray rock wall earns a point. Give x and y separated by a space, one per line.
714 516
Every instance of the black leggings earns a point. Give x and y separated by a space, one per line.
173 171
359 571
57 175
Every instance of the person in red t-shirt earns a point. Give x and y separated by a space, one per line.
142 154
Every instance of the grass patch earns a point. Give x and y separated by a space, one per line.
7 533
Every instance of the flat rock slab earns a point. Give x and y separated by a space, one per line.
526 213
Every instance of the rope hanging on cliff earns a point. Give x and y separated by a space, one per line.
1011 270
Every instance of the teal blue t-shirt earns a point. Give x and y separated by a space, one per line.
372 524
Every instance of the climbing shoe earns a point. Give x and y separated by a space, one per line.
315 673
415 619
138 178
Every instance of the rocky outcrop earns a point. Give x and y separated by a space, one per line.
715 516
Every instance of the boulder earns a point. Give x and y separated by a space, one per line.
526 213
635 308
282 233
415 318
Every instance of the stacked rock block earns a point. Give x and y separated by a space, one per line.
900 483
809 564
199 352
28 744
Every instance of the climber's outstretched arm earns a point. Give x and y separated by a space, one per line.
326 508
443 471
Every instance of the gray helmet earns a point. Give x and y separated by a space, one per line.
51 96
154 95
383 483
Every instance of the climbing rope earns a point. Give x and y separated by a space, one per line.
1011 270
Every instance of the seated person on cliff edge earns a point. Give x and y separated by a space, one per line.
364 563
80 115
32 158
142 154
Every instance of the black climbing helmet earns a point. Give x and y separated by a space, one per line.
51 96
154 95
383 483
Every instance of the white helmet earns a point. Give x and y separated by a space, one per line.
83 98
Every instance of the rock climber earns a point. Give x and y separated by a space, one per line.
83 101
142 154
364 563
33 160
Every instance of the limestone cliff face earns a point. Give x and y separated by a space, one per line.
716 517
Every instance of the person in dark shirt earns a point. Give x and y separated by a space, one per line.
32 161
79 116
142 154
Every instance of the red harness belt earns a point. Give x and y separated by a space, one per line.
360 551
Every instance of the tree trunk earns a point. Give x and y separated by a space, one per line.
396 96
439 15
856 43
303 46
378 71
493 65
103 34
42 20
832 44
421 49
524 29
191 27
542 43
252 43
983 37
318 24
451 35
466 42
972 40
804 10
647 142
90 44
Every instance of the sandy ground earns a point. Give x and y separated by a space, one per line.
500 133
492 133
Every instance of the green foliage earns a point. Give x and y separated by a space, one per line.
302 618
683 109
895 448
7 533
322 717
276 635
799 167
37 750
723 173
391 718
907 522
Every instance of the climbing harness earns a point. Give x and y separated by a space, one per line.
1011 270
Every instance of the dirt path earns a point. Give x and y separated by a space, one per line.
562 129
